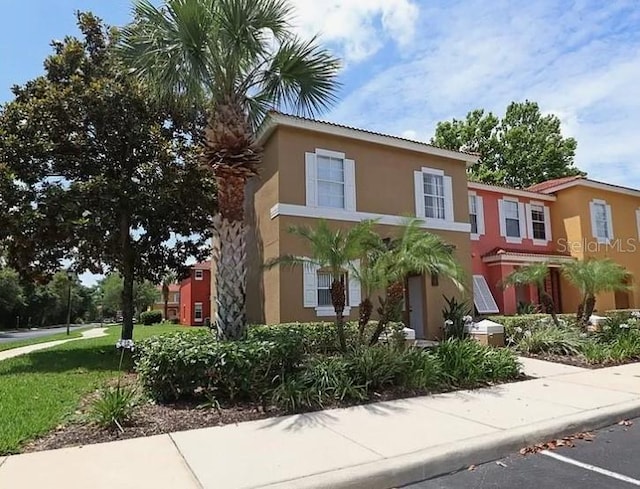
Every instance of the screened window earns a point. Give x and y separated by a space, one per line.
473 214
538 222
434 196
199 274
511 218
330 182
197 311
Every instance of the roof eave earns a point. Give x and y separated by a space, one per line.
511 191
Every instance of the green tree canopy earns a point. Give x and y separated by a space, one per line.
519 150
97 173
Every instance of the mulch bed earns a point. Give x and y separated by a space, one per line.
156 419
577 361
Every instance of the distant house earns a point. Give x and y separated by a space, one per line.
173 306
195 295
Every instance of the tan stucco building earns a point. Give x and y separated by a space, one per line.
316 170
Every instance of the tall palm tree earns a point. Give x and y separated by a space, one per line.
593 276
335 252
534 274
413 251
234 60
168 279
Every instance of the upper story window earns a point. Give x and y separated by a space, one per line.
476 215
601 222
512 219
434 194
330 180
176 297
538 222
199 274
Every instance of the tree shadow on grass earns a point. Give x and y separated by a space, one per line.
91 358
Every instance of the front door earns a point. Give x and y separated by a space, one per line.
416 305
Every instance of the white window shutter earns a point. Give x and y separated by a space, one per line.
523 220
448 198
503 224
350 185
547 223
609 221
310 284
594 226
480 214
482 296
355 289
529 218
418 180
311 176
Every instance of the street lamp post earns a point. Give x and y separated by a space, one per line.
69 278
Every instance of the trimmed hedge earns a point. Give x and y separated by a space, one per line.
151 317
297 367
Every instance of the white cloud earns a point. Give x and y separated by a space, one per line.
579 61
358 28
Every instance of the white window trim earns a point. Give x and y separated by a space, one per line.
195 307
311 179
479 216
293 210
547 223
310 291
447 186
522 226
199 274
594 227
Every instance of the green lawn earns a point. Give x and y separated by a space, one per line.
40 390
34 341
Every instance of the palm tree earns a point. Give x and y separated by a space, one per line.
335 252
591 277
234 60
534 274
168 279
414 251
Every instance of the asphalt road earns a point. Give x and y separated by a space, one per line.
6 337
610 461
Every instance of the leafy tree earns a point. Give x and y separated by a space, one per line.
519 150
98 173
412 251
534 274
592 277
11 295
335 252
236 59
145 294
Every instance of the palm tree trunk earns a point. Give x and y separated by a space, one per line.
366 308
338 300
229 277
389 308
550 308
589 306
166 309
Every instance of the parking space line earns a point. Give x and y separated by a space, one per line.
592 468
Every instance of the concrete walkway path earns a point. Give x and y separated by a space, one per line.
376 446
15 352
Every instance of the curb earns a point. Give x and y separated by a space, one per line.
444 459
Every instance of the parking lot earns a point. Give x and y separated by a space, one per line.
610 461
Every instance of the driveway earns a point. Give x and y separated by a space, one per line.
7 337
609 461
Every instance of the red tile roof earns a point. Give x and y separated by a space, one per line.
172 287
542 186
205 265
516 251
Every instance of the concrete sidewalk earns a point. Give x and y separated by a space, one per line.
377 446
15 352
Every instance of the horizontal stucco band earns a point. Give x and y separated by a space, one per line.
341 215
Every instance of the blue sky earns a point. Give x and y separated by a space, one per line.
410 63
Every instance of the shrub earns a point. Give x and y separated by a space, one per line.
187 364
114 406
422 370
456 315
468 363
377 366
550 340
618 324
151 317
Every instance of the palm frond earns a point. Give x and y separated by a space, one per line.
534 273
592 276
